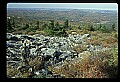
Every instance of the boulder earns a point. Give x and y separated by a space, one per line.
14 38
9 36
86 36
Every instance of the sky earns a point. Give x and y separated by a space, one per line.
106 6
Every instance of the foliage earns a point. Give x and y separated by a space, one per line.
66 24
93 66
31 33
37 23
39 76
79 48
113 61
56 30
11 72
9 27
35 63
113 27
26 26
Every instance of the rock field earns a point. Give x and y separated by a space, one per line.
52 50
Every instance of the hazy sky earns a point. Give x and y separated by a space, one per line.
110 6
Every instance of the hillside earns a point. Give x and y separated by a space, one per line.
61 43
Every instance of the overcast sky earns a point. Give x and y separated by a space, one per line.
109 6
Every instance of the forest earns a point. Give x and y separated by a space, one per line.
61 43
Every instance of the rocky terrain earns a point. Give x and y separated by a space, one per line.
33 54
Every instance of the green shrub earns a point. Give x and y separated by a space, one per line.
113 61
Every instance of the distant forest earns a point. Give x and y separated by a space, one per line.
77 18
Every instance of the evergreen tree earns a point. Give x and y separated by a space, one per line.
57 26
91 28
13 22
51 24
26 26
44 26
66 24
79 27
9 27
113 27
37 23
100 27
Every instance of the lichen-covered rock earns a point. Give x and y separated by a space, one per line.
84 55
40 51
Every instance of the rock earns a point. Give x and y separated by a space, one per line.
84 54
9 36
46 40
14 38
68 58
86 36
56 44
32 51
50 51
43 50
46 57
73 33
63 57
53 50
57 54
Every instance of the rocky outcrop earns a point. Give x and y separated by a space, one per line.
53 50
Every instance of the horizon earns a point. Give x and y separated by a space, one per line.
96 6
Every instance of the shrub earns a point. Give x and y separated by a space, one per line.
11 72
31 33
94 66
35 63
79 48
17 32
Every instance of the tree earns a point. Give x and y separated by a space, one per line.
91 28
100 27
66 24
57 26
13 22
104 29
79 27
37 23
9 27
113 27
26 26
51 24
57 30
44 26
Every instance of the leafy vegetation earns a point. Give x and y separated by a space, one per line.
100 25
93 66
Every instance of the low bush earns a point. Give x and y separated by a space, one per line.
11 72
100 65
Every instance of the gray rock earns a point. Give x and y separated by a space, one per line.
8 36
32 51
86 36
